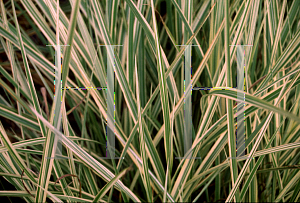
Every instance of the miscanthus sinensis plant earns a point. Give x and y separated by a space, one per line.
149 100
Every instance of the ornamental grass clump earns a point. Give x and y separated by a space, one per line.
149 101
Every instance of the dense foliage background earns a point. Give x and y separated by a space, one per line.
149 100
